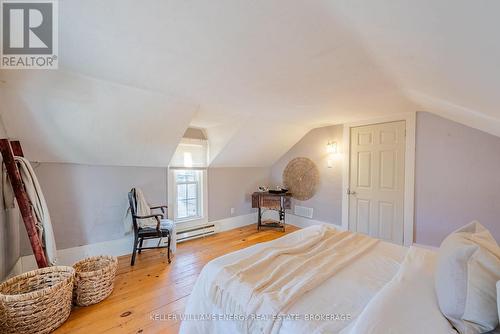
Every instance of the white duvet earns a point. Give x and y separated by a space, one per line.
332 307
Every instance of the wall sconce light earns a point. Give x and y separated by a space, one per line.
331 149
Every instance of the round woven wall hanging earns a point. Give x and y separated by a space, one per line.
301 177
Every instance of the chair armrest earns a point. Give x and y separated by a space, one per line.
163 209
159 207
149 216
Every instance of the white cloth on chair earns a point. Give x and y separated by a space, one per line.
35 195
170 225
143 209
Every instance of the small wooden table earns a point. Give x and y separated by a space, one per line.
278 202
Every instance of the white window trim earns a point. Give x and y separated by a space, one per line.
409 193
172 202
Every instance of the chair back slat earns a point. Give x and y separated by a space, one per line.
132 200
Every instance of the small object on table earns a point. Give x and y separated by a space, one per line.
272 201
278 191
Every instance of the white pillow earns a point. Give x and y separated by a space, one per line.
467 271
408 303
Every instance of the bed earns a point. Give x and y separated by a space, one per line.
368 285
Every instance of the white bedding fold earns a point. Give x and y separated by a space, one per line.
268 282
408 303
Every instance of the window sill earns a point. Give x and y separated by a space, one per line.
186 224
185 220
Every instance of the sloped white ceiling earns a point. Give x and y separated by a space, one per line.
443 55
61 117
256 74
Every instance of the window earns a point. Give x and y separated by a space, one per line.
187 183
188 190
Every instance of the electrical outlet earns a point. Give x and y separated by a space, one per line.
232 211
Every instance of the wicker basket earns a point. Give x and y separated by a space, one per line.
38 301
94 279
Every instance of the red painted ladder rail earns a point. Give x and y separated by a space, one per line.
8 150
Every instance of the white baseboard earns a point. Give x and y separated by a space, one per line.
68 256
299 221
304 222
119 247
234 222
243 220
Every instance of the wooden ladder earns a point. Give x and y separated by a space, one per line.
9 149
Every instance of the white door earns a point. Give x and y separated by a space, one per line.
376 186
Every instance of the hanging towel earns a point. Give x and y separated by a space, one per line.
35 195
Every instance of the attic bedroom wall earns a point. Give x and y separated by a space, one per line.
10 248
456 177
232 187
87 204
327 202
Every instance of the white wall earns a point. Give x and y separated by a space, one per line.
327 202
457 179
232 188
10 249
87 204
10 230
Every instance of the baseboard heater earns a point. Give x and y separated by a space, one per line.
195 232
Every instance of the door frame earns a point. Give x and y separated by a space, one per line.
409 191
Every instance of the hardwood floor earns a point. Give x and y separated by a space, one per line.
153 286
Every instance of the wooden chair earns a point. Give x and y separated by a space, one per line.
145 233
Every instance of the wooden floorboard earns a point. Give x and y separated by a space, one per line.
153 286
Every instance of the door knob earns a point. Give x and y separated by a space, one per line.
349 192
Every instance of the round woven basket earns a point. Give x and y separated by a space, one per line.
38 301
94 279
